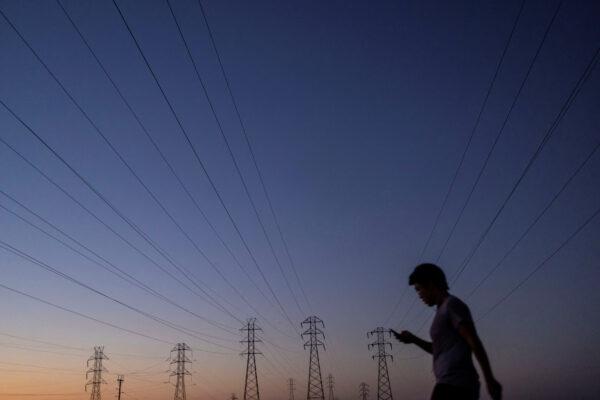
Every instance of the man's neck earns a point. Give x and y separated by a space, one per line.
442 296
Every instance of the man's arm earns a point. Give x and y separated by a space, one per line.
408 337
468 332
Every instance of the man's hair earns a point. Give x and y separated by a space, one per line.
428 273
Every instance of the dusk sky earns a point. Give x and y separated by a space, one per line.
358 114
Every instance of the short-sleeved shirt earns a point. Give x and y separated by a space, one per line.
452 360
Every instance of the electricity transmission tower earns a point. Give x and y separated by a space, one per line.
315 382
384 388
96 371
251 386
363 391
330 385
120 379
233 397
292 386
180 370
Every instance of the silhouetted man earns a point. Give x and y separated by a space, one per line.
453 339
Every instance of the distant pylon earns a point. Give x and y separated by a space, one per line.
384 389
96 371
330 385
180 370
233 397
292 386
315 382
120 379
251 385
363 391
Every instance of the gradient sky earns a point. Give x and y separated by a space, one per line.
358 113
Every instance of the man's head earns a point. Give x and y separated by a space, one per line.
430 283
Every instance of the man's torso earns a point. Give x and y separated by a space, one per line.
452 360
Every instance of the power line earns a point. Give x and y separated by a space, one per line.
233 158
203 167
37 349
475 126
64 233
101 197
44 350
37 366
171 169
466 149
94 261
246 137
536 219
498 135
96 217
253 156
501 130
69 278
40 300
96 128
561 114
165 160
188 331
119 272
541 264
42 342
33 371
282 366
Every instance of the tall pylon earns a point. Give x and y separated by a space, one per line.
384 388
292 386
180 371
363 391
120 379
315 381
251 391
96 370
330 386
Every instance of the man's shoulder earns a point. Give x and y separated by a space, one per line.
455 301
458 309
454 304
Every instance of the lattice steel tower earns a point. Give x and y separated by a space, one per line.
180 360
315 382
292 387
251 386
96 371
384 388
330 386
363 391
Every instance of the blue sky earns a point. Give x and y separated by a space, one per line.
358 114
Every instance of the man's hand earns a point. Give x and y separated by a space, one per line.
467 331
408 338
404 337
494 388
